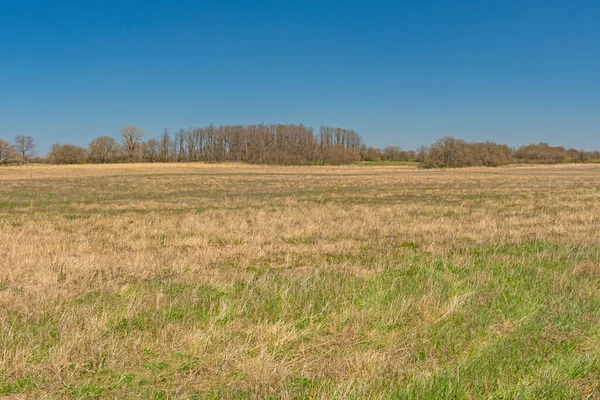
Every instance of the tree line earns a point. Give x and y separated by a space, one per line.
285 145
454 153
261 144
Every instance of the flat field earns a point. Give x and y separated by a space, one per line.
233 281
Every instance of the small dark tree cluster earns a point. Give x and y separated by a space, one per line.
452 152
390 153
543 153
67 154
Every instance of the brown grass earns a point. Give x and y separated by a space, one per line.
183 280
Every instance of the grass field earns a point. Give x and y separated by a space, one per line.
388 163
232 281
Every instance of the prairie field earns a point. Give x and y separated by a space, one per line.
193 281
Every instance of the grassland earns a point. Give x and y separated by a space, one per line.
231 281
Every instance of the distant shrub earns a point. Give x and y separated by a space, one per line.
370 154
395 153
543 153
338 155
450 152
67 154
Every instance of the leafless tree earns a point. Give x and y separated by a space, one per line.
370 153
67 154
422 152
151 150
25 147
7 153
165 146
132 137
180 144
103 149
452 152
395 153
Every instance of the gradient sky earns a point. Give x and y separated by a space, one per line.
399 72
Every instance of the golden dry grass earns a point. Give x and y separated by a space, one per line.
194 280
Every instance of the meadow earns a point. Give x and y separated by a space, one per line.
193 281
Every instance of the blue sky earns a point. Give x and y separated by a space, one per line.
399 72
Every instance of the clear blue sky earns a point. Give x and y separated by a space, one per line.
399 72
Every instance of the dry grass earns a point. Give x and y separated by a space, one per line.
193 281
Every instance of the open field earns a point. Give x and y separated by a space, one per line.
209 281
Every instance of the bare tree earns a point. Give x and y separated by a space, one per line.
104 148
67 154
165 146
25 147
151 150
132 138
422 152
7 153
370 153
180 144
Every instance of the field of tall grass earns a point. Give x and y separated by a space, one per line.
192 281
